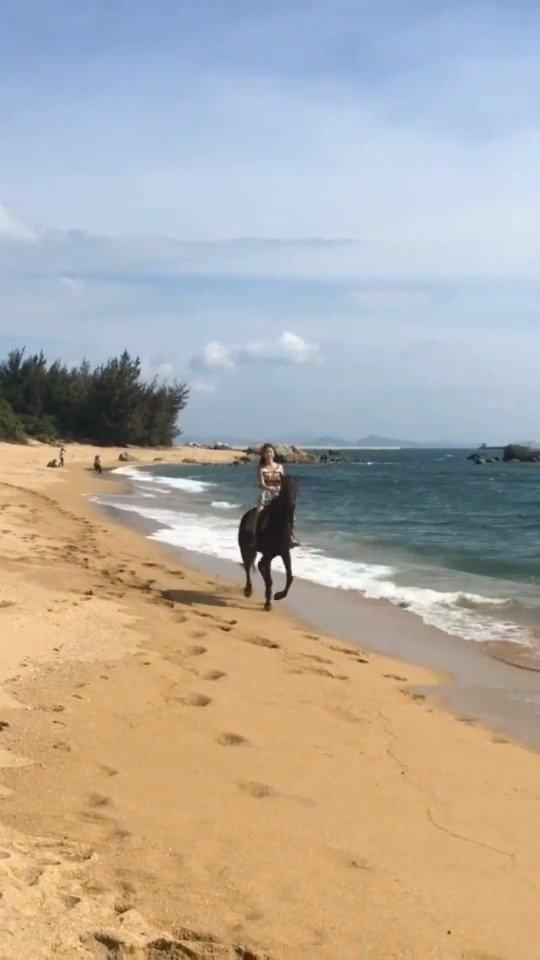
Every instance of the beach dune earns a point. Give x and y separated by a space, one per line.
185 776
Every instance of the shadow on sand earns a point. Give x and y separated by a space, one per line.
193 597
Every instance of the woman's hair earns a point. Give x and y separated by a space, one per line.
262 451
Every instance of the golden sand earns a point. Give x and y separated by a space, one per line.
186 776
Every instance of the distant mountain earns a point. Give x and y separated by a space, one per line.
372 440
324 441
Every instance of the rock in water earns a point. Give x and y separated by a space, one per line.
521 453
285 454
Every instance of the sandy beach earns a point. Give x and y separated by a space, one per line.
185 776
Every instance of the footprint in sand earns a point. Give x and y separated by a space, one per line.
70 900
323 672
413 696
231 739
99 800
213 675
314 656
349 860
254 914
262 642
197 634
348 651
121 833
197 700
195 651
481 955
257 790
342 714
395 676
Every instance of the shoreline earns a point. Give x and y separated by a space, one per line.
184 772
473 681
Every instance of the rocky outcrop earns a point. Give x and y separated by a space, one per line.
286 454
293 454
479 459
520 453
333 456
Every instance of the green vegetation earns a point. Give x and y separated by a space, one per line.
108 404
11 427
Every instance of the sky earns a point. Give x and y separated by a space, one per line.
322 215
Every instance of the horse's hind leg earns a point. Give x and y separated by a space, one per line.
266 574
286 557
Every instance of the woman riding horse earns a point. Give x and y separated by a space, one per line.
268 528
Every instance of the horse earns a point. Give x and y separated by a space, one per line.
273 539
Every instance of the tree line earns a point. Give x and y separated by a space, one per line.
110 403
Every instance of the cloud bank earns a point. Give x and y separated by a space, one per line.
287 349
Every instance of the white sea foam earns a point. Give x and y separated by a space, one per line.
224 505
176 483
457 613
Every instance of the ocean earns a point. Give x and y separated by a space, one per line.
426 530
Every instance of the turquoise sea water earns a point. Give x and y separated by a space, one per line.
457 544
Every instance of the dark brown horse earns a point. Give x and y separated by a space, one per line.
273 539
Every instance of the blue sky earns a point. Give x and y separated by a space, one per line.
324 215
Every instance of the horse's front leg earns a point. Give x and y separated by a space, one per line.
248 559
286 557
266 573
248 589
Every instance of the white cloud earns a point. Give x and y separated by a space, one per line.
203 387
72 283
392 301
215 356
156 367
289 348
13 229
82 257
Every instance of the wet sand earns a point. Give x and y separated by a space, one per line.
184 775
495 683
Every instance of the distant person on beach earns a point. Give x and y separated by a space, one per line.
61 457
52 463
270 477
97 463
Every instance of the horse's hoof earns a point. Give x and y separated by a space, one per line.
280 595
248 591
267 607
